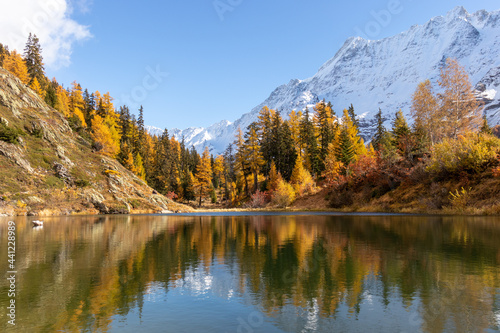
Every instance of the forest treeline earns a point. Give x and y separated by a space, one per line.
277 159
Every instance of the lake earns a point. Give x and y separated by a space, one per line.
253 273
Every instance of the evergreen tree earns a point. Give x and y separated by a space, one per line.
309 141
324 118
353 116
33 59
402 136
287 154
379 134
4 52
345 147
140 126
51 96
485 127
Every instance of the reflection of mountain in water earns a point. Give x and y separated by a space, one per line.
303 272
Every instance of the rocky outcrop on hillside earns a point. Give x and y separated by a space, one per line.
48 169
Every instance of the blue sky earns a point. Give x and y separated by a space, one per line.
221 62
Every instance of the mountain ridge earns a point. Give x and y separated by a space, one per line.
373 74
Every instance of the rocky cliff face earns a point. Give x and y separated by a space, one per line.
48 169
384 74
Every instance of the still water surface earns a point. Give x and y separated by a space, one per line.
257 273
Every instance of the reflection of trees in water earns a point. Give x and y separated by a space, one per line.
77 275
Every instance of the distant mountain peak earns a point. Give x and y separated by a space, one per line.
383 74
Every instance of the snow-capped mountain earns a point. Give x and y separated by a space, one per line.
384 74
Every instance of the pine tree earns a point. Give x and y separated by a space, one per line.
345 148
203 181
310 144
4 52
485 127
51 96
353 116
402 136
459 107
34 61
377 138
140 126
324 118
287 154
14 63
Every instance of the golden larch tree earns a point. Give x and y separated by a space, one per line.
252 154
203 180
274 178
460 110
35 86
301 179
294 123
76 102
103 141
425 111
15 64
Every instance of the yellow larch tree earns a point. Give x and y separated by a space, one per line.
203 179
219 169
139 167
35 86
301 180
76 102
252 153
62 101
425 111
15 64
460 110
103 141
294 123
333 167
274 178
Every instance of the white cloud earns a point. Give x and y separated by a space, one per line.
50 20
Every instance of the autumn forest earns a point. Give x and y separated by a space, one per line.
282 158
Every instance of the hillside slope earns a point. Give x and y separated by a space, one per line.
47 169
383 74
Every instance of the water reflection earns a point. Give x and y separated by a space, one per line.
256 273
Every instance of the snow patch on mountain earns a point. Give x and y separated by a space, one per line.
383 74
